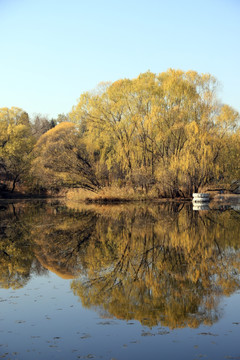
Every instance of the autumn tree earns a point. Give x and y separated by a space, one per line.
113 117
41 124
61 159
16 144
168 130
61 118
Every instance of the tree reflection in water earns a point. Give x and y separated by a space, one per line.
156 264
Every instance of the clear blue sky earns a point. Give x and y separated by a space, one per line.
53 50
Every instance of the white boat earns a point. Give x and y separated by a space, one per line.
200 198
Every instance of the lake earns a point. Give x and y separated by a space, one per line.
135 281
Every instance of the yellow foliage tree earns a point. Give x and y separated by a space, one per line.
61 159
167 129
16 144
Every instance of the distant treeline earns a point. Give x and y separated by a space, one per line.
167 132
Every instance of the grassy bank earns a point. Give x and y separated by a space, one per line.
114 194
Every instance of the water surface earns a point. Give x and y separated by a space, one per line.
119 282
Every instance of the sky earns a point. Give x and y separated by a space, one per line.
51 51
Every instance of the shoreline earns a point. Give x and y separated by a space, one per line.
227 198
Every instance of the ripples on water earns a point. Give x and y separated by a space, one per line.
119 282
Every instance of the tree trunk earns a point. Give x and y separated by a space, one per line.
14 183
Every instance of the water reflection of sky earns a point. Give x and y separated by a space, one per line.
45 321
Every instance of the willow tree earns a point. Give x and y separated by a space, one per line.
210 151
115 119
61 159
151 126
16 144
